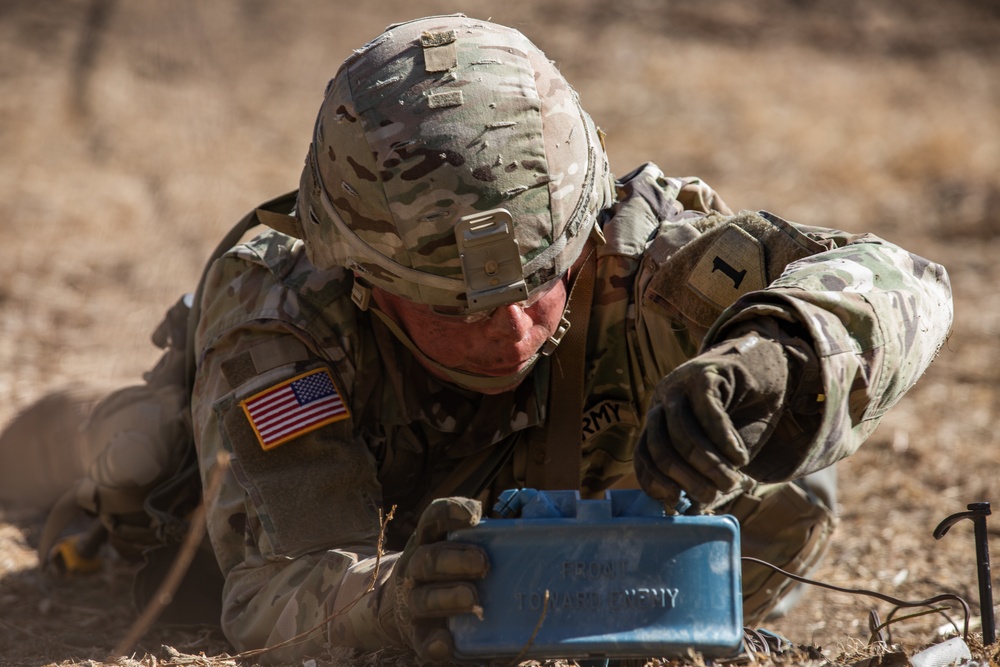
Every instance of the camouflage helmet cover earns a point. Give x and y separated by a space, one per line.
439 119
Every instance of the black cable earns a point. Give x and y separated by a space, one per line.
875 594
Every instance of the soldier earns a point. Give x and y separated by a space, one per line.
464 300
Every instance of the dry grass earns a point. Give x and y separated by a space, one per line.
132 139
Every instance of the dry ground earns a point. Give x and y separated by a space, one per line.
132 134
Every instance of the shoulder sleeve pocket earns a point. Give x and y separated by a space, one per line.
312 483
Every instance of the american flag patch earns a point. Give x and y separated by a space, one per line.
294 407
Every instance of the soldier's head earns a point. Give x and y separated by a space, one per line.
453 170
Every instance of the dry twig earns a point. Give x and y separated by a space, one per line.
305 634
534 634
189 547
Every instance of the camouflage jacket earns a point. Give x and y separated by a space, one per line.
295 526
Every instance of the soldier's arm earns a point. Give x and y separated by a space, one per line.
870 317
860 318
293 563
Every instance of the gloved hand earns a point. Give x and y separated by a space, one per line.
432 579
708 418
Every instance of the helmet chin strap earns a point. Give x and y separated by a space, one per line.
472 381
361 295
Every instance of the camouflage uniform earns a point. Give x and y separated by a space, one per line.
295 527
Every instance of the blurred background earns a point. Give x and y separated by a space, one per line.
134 134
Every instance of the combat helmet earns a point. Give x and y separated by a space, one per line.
452 165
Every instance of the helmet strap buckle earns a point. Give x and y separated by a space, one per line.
550 345
361 293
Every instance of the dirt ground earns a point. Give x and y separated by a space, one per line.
133 134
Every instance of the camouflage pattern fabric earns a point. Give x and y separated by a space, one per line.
437 119
295 528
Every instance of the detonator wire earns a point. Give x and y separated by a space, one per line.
875 594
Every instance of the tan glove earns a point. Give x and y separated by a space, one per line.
432 579
708 418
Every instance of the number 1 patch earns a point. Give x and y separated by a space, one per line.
732 266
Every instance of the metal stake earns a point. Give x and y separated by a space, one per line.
977 514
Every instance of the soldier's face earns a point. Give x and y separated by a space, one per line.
498 345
